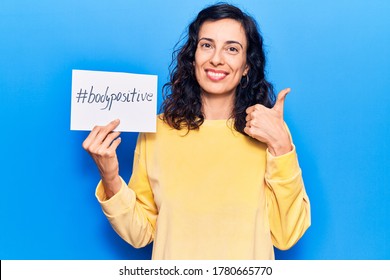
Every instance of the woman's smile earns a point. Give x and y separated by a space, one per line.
216 75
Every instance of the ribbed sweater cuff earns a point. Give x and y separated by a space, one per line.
118 203
284 167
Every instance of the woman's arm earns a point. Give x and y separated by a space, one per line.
287 202
130 209
101 144
132 212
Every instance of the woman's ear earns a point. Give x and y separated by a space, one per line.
246 70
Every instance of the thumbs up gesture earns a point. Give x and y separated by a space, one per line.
267 125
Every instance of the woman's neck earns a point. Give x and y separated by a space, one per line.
217 107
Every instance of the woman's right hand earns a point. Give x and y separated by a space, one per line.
101 144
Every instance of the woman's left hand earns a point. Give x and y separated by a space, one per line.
267 125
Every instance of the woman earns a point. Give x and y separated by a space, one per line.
220 177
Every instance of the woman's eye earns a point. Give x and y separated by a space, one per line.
233 49
205 45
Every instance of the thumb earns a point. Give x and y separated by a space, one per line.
279 105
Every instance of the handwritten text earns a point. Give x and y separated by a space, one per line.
107 98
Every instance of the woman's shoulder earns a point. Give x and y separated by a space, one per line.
161 125
160 122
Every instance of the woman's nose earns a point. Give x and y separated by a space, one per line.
217 58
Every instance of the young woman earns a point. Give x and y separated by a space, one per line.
220 178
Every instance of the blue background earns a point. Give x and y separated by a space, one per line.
335 55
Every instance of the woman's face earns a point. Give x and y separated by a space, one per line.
220 57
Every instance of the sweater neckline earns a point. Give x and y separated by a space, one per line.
218 122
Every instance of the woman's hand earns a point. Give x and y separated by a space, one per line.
101 144
267 125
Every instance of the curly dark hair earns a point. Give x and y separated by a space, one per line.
182 105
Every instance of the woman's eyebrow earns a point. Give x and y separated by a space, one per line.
234 42
227 42
207 39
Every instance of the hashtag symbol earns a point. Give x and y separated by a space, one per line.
81 95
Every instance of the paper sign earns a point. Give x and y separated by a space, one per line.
99 97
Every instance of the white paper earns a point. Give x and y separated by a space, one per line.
99 97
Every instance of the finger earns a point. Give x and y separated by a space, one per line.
251 123
251 109
115 144
255 112
250 116
110 126
279 105
249 131
91 136
105 130
109 139
98 135
254 108
113 124
108 152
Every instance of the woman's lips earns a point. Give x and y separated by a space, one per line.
216 75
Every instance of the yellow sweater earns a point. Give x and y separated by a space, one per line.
211 194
